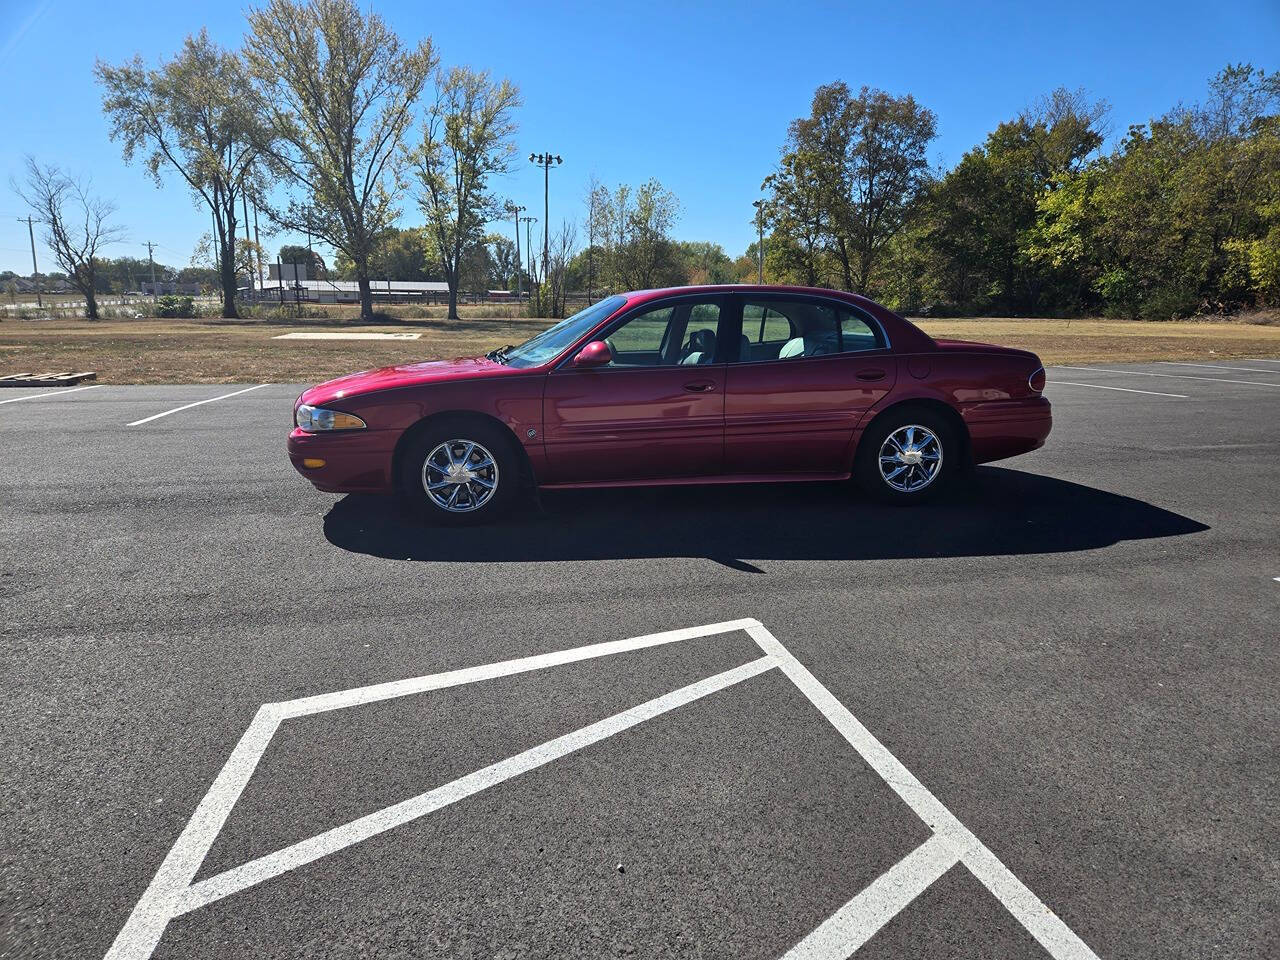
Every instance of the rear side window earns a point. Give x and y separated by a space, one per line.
784 329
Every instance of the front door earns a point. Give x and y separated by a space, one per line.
808 369
656 411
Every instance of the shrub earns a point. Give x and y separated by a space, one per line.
171 306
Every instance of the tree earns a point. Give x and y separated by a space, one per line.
339 88
850 176
75 224
466 139
981 217
296 253
197 114
633 234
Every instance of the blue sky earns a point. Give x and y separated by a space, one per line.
697 95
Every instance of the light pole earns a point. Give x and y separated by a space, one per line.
528 243
513 209
545 160
759 205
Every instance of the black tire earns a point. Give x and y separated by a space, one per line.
454 435
867 470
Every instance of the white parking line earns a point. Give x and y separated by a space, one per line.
1171 376
188 406
172 893
1098 386
1213 366
56 393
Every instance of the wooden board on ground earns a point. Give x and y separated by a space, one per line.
62 379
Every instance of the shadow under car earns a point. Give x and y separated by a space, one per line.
997 512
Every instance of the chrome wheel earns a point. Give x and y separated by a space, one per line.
460 476
910 458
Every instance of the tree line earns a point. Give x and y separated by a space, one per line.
1182 216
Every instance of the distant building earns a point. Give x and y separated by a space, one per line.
348 291
168 288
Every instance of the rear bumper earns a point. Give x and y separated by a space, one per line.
1006 428
358 461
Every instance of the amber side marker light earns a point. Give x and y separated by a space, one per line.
312 463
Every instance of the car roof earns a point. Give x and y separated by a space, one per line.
640 296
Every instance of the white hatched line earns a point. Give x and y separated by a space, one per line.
349 834
55 393
1054 935
888 895
1213 366
188 406
171 893
1171 376
1099 386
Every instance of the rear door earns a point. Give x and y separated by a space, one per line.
806 370
655 412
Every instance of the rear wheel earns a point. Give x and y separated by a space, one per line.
458 473
910 456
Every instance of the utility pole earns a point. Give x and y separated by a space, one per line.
759 205
544 160
245 198
257 240
591 242
217 257
528 244
516 211
35 271
152 258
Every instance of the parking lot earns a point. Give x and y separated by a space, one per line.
244 718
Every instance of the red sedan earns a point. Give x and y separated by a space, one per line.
686 385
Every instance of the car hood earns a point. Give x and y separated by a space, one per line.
404 375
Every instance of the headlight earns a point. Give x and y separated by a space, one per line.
318 419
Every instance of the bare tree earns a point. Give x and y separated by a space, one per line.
75 224
563 246
339 89
466 139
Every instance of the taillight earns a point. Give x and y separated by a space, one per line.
1036 380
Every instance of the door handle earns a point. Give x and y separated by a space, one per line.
870 375
700 386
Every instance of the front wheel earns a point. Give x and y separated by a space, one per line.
460 473
908 457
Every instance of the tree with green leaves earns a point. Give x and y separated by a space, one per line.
633 234
850 177
467 139
198 115
338 88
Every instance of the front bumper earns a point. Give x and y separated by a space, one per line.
355 461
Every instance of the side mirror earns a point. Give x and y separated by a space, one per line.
594 354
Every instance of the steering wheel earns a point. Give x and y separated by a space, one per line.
613 352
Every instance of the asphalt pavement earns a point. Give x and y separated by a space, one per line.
1074 658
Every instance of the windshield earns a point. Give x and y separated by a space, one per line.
541 348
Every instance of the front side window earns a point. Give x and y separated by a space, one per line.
667 335
541 348
792 329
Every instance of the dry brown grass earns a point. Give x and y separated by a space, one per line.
1115 341
215 351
